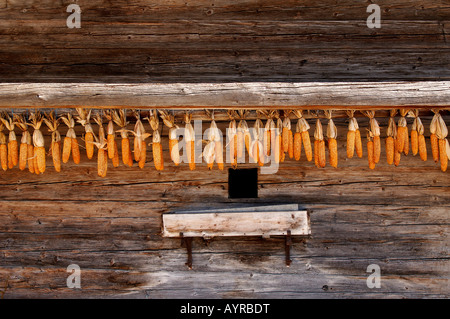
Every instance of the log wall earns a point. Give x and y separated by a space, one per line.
395 217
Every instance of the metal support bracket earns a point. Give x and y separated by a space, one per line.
287 247
187 242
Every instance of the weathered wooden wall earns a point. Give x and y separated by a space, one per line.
396 217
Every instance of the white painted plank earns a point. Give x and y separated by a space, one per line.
236 224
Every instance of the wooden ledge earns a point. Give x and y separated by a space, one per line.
249 95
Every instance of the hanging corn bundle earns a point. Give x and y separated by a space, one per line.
332 143
243 134
391 137
441 133
287 136
302 137
13 146
55 146
83 118
120 119
375 135
169 121
256 146
102 151
269 130
319 145
232 139
417 138
38 143
140 146
25 142
70 144
157 150
189 137
354 142
3 147
110 135
402 133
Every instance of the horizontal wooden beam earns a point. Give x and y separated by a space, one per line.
252 95
215 224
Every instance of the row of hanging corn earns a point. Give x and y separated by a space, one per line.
276 138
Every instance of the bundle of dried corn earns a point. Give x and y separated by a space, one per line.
38 142
169 121
391 140
375 135
402 133
269 130
243 134
55 147
83 118
440 130
3 147
157 150
319 145
13 146
301 136
209 152
70 145
25 143
332 143
120 119
417 138
354 142
189 138
111 138
101 144
433 137
256 146
232 139
140 146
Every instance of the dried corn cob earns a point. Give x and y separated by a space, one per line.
391 139
3 148
319 145
286 131
83 118
119 117
215 149
38 142
189 137
433 136
70 145
269 130
169 121
353 136
444 149
110 135
370 151
277 145
13 146
243 135
332 143
232 139
55 147
158 159
402 133
24 142
101 144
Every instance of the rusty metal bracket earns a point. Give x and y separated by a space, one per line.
187 242
287 247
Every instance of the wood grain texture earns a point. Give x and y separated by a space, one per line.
223 41
314 95
396 217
